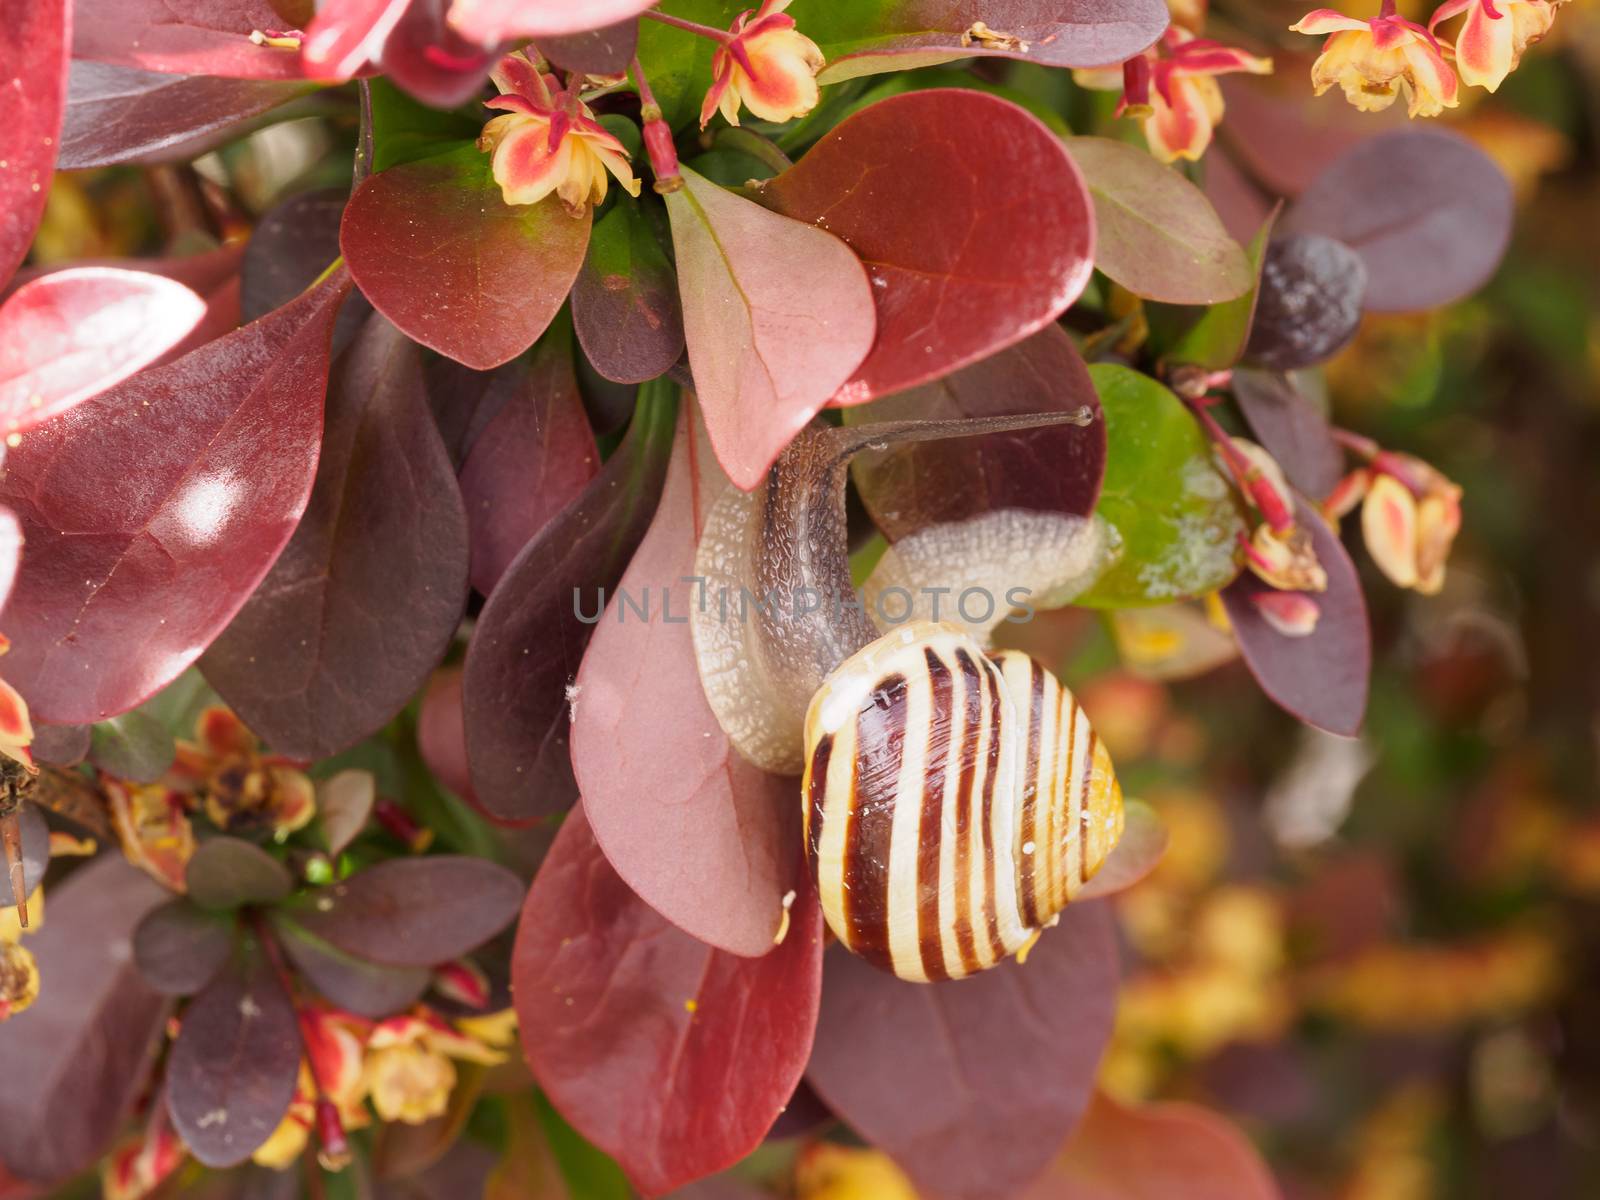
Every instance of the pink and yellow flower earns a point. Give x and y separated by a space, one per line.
329 1094
1172 86
767 65
153 825
16 728
547 140
410 1067
1496 32
1410 515
138 1165
241 787
1375 60
19 973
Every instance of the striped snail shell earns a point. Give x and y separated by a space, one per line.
954 802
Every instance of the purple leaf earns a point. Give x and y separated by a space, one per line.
153 510
289 249
1058 469
968 254
530 638
344 804
1321 678
228 872
33 64
413 912
184 37
1156 233
365 988
179 948
70 334
1291 428
777 315
603 51
437 250
363 601
1428 212
85 1051
233 1067
125 115
59 745
532 459
625 300
655 768
973 1085
613 1001
490 21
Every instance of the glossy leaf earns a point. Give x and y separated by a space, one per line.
365 988
968 253
653 765
708 1032
490 21
344 803
10 554
1057 470
1428 212
1156 233
430 60
777 315
625 300
232 1070
86 1052
437 250
33 62
199 37
413 912
604 51
134 746
228 872
970 1086
866 38
533 458
1216 339
363 601
1120 1152
153 510
1175 519
291 246
1322 678
125 115
1291 428
530 638
179 948
70 334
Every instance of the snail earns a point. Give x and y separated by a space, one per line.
953 800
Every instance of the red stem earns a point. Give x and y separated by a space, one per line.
705 31
1274 508
658 142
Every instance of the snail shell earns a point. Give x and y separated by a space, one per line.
954 803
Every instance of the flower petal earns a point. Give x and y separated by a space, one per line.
1389 525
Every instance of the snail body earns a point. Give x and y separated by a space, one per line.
954 802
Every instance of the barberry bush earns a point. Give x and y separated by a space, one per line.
599 597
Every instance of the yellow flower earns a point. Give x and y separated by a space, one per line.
828 1171
1373 61
242 788
768 65
154 829
409 1072
1494 35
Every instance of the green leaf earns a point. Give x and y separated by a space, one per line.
404 130
135 746
678 64
589 1172
1156 233
1174 520
1217 339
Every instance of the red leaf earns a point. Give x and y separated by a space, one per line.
233 1067
1321 678
1057 469
73 333
530 636
532 458
86 1049
625 300
490 21
968 252
1291 428
361 605
604 51
184 37
437 250
33 68
153 510
702 1047
1429 213
433 62
348 34
777 315
653 765
125 115
1154 1152
971 1086
894 35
